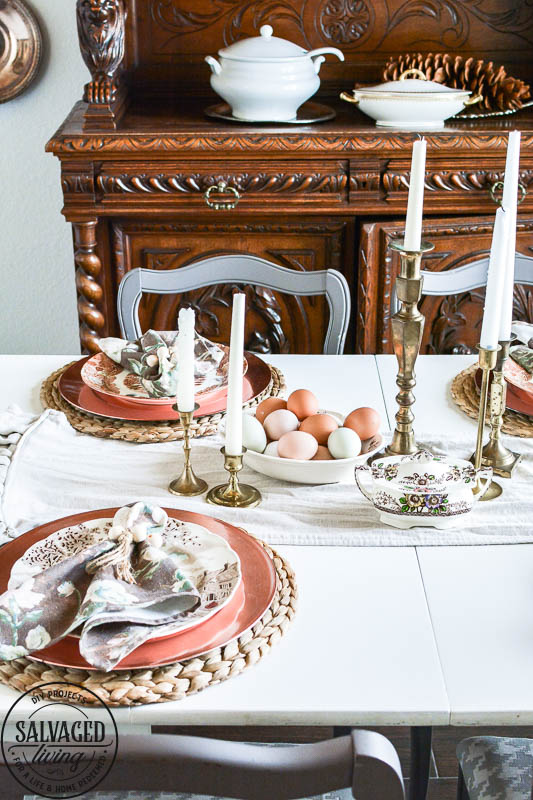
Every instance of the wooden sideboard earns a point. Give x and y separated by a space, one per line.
138 155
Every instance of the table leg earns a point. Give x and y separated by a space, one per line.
420 762
462 792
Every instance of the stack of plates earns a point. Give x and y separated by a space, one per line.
98 386
232 571
519 388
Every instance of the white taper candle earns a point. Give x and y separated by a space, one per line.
185 348
236 355
415 201
490 328
509 203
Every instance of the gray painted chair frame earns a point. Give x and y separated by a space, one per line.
365 761
471 276
241 270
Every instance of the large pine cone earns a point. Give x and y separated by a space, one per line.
500 91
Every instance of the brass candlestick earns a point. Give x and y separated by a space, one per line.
495 454
187 484
233 493
407 329
487 362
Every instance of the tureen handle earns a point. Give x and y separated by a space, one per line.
216 69
317 63
348 97
470 101
363 468
334 51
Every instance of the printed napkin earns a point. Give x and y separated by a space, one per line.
115 591
153 358
524 333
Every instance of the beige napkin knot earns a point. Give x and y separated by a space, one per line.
131 525
118 557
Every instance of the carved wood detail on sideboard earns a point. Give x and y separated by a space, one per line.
138 158
452 323
277 322
278 182
90 292
172 36
352 141
101 33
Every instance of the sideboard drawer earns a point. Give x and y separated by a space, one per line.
224 185
453 182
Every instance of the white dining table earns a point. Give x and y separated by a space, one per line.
417 636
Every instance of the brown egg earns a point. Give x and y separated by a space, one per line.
296 444
303 403
371 444
267 406
320 426
364 421
322 454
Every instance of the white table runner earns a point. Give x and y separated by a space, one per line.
49 471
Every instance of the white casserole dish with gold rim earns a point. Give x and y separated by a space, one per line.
414 104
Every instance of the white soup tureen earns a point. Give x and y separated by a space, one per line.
265 78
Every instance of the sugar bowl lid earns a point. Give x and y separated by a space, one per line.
262 47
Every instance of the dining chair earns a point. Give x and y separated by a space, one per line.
365 763
468 277
495 768
239 269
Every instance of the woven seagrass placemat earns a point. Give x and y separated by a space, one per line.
466 395
106 428
175 681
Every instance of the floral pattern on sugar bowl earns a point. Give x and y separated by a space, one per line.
423 489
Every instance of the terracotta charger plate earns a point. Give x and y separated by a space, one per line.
516 399
105 377
77 394
249 603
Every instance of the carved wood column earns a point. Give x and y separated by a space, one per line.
101 32
90 293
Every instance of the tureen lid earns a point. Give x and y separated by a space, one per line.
264 46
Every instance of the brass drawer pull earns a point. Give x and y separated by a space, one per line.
497 185
222 188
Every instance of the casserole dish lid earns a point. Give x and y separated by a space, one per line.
264 47
419 87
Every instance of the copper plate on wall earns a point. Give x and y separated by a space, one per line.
20 48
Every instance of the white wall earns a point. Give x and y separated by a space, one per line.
37 300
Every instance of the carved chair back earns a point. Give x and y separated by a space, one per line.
468 277
241 270
365 761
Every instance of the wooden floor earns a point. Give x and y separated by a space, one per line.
444 764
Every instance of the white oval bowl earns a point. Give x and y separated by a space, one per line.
338 470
